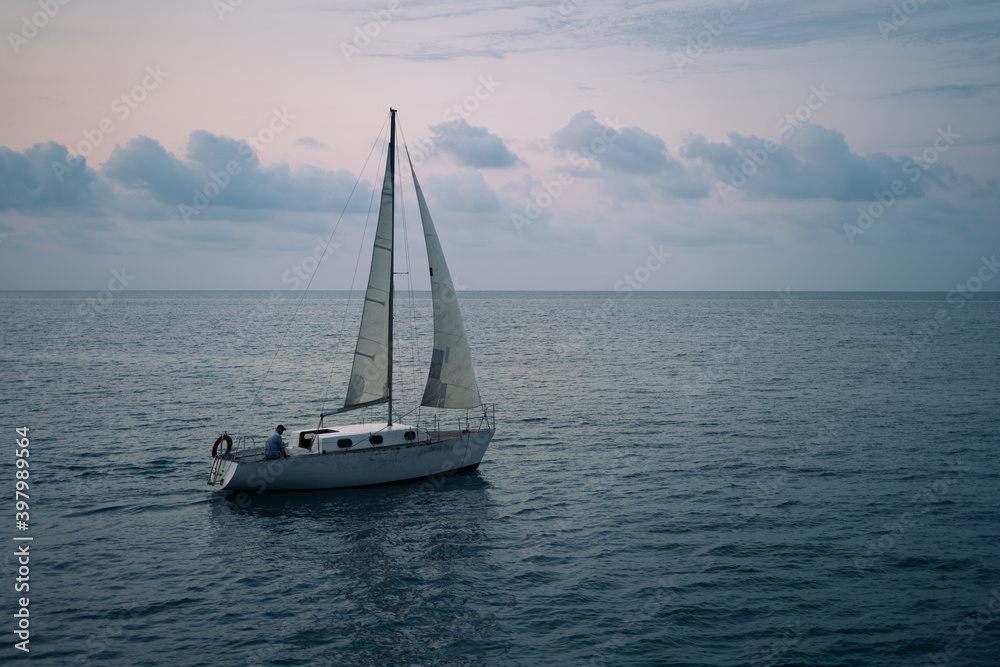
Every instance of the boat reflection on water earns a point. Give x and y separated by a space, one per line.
353 568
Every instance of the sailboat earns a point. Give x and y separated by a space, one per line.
385 451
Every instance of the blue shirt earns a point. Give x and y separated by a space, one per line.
273 446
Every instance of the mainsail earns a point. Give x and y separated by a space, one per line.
370 374
451 382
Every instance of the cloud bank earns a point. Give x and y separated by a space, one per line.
220 178
28 183
816 163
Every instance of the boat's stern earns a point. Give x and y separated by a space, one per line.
223 468
227 467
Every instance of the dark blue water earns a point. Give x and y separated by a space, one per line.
677 479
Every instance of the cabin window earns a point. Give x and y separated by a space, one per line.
344 443
410 435
376 439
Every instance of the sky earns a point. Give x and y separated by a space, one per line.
574 145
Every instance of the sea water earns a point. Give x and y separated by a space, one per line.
676 479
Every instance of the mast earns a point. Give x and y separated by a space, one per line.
392 236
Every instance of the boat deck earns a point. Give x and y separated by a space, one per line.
257 453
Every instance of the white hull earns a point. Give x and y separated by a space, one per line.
363 466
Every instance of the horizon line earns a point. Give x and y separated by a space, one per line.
571 291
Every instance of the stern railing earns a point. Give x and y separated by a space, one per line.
483 419
243 449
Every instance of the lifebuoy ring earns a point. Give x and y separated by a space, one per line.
229 444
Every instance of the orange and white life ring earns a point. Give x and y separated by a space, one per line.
229 444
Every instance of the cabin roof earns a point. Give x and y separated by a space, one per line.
356 429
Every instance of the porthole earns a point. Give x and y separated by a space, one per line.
410 435
376 440
344 443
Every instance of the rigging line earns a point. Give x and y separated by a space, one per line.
357 263
298 306
409 275
350 295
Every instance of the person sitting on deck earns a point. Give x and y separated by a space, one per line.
274 448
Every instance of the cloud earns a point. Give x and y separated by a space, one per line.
628 150
813 163
39 178
143 164
309 142
777 24
465 192
953 90
534 26
226 172
439 51
214 152
473 146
